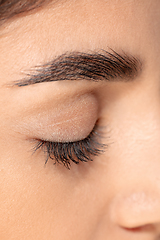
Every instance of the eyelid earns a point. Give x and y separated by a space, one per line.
76 152
71 122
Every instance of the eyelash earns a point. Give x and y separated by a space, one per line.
76 152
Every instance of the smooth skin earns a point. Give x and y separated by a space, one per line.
117 196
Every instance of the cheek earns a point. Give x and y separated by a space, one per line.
29 195
42 202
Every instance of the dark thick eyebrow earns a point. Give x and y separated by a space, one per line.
104 66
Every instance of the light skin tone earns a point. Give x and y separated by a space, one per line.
117 195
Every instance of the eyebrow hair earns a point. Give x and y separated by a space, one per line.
104 66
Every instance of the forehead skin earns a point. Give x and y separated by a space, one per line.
82 25
117 195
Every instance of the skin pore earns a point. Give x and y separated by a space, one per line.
117 195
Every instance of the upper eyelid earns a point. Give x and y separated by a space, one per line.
54 149
70 121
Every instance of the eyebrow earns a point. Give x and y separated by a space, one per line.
71 66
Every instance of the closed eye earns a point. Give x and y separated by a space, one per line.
76 152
